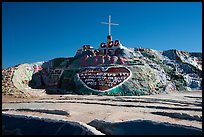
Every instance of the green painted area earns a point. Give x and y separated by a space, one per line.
58 61
67 81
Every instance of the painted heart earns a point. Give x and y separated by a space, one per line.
103 80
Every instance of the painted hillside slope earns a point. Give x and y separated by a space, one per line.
119 71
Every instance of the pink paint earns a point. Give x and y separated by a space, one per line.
108 58
83 60
39 68
114 58
111 60
102 60
122 60
35 69
95 62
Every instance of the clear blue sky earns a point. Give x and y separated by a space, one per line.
41 31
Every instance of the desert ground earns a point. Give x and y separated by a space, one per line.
183 108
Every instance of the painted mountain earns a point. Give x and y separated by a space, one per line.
112 69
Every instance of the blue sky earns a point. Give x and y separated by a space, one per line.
41 31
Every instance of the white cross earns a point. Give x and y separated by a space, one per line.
109 25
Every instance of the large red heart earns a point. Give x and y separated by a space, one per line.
104 80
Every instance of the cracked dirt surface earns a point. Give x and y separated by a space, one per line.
183 108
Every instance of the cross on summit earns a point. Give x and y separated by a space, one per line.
109 28
109 25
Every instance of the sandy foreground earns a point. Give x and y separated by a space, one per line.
184 108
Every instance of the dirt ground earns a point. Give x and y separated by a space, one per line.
184 108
